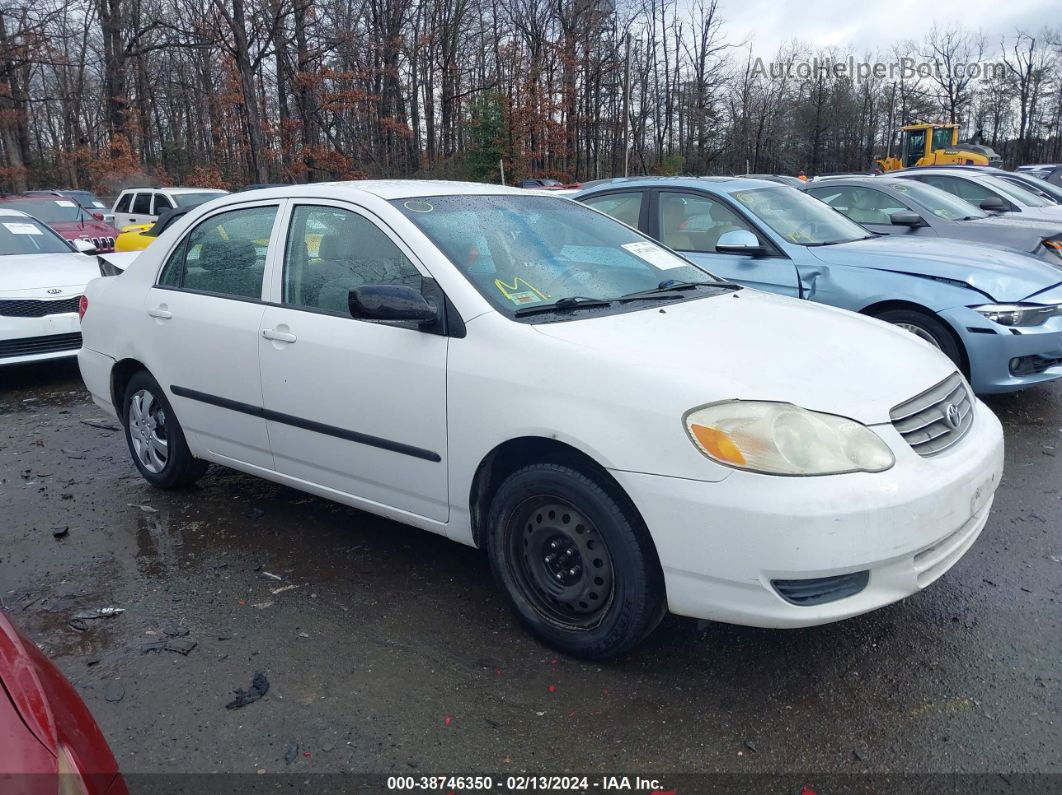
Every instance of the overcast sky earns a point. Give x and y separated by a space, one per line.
866 26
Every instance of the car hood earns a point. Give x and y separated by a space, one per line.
751 345
1001 274
75 230
35 273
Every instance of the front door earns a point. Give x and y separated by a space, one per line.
355 406
202 324
693 223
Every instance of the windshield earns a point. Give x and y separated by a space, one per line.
192 199
1018 194
29 236
51 211
523 251
799 218
86 199
939 202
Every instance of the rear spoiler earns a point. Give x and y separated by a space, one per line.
115 263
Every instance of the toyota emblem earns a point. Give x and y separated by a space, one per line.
952 416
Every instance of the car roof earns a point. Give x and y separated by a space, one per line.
858 179
707 184
383 188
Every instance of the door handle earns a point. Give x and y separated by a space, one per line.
162 313
278 336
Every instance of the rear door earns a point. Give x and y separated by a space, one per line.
206 311
693 223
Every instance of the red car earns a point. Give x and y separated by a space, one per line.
67 217
49 742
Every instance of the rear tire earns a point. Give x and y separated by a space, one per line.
927 328
154 436
578 568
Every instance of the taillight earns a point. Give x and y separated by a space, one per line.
70 779
82 307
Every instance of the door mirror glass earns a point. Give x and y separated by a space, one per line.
992 204
906 218
391 302
739 241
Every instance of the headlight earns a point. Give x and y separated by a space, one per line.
1017 314
783 439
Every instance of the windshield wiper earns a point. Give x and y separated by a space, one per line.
672 288
567 303
837 242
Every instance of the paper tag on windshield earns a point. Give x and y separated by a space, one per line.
654 255
64 203
526 297
23 229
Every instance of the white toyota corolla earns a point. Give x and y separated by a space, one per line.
41 281
624 433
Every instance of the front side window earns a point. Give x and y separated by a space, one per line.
162 203
695 223
330 251
224 255
21 235
941 138
625 207
862 205
799 218
142 204
525 251
1017 192
939 202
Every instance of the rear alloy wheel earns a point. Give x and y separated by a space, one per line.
156 441
578 568
927 328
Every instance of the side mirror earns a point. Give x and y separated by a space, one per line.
906 218
83 246
97 215
740 241
391 302
993 204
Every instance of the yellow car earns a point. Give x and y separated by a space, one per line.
140 236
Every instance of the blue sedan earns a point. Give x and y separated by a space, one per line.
994 311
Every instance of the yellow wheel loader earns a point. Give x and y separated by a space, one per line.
936 145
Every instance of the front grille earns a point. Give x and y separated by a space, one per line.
31 345
35 308
821 590
936 419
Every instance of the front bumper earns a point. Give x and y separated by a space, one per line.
722 544
35 339
990 353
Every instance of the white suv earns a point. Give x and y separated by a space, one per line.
145 205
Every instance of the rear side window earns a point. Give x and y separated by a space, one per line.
224 255
122 205
142 204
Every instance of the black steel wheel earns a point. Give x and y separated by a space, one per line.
561 562
575 560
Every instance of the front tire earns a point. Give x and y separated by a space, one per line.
154 436
927 328
579 569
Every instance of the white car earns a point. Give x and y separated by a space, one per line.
622 432
136 206
42 279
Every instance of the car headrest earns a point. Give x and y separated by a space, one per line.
330 247
220 255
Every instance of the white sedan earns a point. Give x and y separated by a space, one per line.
624 433
42 279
